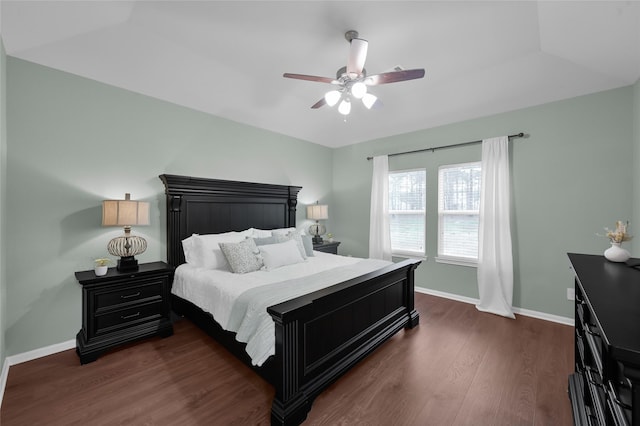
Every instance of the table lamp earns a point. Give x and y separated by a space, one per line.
126 213
317 212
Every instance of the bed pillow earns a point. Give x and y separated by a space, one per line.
282 231
208 253
260 233
243 256
280 254
247 232
292 235
264 241
264 233
190 251
307 242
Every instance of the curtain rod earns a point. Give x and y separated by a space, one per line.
517 135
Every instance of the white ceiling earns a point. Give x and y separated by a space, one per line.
227 58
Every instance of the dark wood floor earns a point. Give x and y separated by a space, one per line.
459 367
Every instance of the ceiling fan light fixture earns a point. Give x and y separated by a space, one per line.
358 90
369 100
352 80
345 107
332 97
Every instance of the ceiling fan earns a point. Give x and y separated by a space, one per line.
351 81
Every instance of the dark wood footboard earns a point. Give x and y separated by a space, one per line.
321 335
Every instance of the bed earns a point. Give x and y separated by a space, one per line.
318 336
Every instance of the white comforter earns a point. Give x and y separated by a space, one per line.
219 293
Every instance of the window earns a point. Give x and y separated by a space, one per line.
407 202
458 213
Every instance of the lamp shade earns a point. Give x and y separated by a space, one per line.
125 212
318 212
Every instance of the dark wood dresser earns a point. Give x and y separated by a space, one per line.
121 307
605 388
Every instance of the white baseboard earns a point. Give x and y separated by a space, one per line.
526 312
39 353
29 356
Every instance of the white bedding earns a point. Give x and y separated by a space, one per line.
216 292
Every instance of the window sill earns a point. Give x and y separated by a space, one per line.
458 261
410 256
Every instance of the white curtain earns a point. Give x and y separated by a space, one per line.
495 260
379 227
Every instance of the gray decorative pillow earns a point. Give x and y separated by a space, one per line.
292 235
242 257
308 244
264 241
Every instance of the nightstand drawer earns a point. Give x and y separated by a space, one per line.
327 247
118 295
117 320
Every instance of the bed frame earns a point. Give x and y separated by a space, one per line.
319 336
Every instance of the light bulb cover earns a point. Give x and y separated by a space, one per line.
369 100
332 97
358 89
345 107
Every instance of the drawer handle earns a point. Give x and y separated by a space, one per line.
137 314
130 295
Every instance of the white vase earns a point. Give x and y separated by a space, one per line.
101 270
615 253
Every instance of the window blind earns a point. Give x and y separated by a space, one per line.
407 211
458 210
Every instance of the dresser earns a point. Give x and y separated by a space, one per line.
605 388
122 307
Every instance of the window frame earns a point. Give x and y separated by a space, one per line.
444 258
406 252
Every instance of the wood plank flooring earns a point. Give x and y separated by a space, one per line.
459 367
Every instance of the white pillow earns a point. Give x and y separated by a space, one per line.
264 233
247 232
209 255
295 236
281 254
260 233
282 231
189 250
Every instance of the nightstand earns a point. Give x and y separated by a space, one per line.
122 307
327 247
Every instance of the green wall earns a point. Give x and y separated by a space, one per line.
570 178
74 142
3 192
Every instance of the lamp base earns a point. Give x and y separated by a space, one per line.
317 239
127 264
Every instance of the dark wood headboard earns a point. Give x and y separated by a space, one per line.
211 206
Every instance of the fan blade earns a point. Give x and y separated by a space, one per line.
394 76
357 56
319 104
310 78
